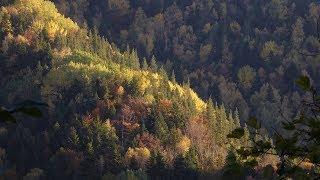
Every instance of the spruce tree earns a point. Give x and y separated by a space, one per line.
6 26
161 128
173 77
73 137
157 166
153 64
145 65
163 73
134 60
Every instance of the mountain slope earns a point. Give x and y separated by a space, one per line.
234 51
106 114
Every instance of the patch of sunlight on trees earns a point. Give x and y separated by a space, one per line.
139 155
183 145
270 49
143 84
88 66
200 105
109 130
46 16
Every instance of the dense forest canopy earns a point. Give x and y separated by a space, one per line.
245 54
106 113
120 89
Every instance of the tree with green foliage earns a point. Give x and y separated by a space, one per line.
157 168
183 170
6 26
153 64
161 128
145 65
73 138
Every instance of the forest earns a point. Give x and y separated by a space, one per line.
163 89
236 52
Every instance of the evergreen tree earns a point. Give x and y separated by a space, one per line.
297 33
163 74
5 23
145 65
173 77
192 159
157 166
153 64
161 128
73 137
182 169
211 116
210 110
134 60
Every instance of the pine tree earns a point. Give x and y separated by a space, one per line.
163 73
182 169
245 140
157 166
153 64
145 65
222 129
192 159
134 60
173 77
190 104
211 116
161 128
6 26
210 109
236 118
89 148
73 137
187 83
297 33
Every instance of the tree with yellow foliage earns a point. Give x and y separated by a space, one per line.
5 23
183 145
137 156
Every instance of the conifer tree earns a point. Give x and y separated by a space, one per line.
157 166
192 158
134 60
161 128
182 168
173 77
236 118
163 73
6 26
210 109
73 137
145 65
89 148
153 64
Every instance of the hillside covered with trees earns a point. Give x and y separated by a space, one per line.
245 54
107 115
163 89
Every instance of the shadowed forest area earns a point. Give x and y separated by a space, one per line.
163 89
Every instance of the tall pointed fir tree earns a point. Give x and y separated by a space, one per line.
153 64
161 128
145 65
